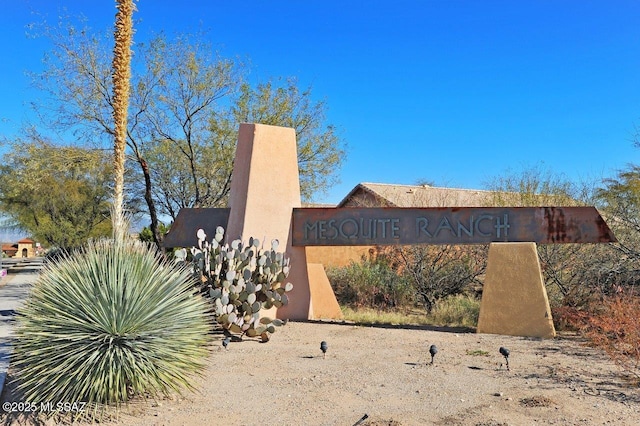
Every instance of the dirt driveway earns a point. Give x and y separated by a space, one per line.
385 374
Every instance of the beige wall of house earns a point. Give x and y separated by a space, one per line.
338 256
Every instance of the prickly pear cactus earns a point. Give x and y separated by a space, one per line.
242 280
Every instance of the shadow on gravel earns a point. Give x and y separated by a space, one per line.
17 416
442 329
24 270
611 386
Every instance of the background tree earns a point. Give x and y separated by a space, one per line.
320 151
185 85
574 273
620 198
146 236
77 78
59 194
536 186
183 115
201 177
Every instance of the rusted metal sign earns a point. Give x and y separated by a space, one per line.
184 228
386 226
468 225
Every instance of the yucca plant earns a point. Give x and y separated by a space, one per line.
107 323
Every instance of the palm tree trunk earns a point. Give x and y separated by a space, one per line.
121 76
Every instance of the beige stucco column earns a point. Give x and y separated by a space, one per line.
514 298
265 187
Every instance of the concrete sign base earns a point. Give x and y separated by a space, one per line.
514 299
324 304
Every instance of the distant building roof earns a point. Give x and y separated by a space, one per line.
375 194
9 248
26 241
318 205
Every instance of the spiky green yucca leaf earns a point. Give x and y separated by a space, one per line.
109 322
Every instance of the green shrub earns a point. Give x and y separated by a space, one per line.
369 316
372 284
107 323
457 310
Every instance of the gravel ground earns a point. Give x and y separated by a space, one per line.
385 374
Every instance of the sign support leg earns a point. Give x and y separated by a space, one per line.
514 298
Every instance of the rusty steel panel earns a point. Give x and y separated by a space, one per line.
184 228
460 225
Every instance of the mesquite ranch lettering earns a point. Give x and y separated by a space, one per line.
386 229
352 228
485 225
454 225
371 226
497 227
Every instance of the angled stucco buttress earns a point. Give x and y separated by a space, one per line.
265 188
514 298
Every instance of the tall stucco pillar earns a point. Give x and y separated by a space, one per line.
265 188
514 298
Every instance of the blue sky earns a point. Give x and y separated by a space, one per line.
453 92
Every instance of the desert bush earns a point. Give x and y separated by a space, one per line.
243 281
456 310
372 284
569 318
437 272
614 326
107 323
611 323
